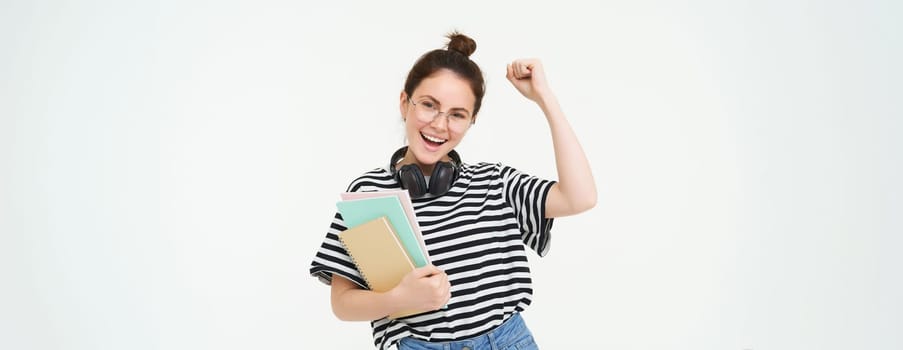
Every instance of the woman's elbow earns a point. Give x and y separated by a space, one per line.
341 316
585 203
339 310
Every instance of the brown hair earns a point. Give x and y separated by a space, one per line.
455 57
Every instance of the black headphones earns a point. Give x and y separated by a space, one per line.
412 179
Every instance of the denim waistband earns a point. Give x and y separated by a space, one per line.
502 336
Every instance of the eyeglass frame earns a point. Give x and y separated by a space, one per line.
447 113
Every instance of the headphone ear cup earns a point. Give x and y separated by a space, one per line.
443 177
412 179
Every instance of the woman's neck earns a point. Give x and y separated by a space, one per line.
426 169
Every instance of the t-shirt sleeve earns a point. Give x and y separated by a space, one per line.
332 258
526 194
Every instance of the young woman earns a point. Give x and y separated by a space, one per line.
476 218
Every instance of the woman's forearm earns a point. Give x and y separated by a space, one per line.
575 179
352 304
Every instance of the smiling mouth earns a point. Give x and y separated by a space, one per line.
432 140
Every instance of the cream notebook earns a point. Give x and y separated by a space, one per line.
379 255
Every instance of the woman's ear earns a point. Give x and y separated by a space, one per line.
402 100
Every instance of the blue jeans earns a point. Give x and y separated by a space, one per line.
510 335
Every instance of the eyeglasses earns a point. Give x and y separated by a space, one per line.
427 110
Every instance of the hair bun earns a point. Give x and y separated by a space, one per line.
461 43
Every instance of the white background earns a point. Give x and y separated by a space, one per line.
168 169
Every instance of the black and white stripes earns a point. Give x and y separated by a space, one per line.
476 233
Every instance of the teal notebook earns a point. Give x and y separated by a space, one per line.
359 211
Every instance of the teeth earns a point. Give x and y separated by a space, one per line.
436 140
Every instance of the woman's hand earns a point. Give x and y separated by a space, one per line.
426 288
529 78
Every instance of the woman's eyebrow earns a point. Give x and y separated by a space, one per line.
430 97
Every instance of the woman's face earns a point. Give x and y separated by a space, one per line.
431 138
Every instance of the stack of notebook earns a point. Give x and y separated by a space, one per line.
383 238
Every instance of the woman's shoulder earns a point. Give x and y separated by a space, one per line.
480 167
498 170
373 179
486 167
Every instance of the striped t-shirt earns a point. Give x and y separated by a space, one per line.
476 233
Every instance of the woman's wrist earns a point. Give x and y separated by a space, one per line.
548 102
